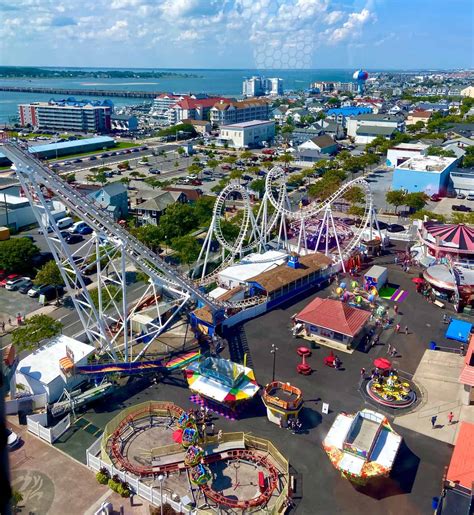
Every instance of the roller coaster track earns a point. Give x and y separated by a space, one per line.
101 221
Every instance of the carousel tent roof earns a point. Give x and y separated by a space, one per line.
458 330
456 236
460 468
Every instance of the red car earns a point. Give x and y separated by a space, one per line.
268 151
226 167
10 277
435 197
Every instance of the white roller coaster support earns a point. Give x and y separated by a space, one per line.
109 323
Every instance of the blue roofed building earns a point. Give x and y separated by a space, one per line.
65 148
340 114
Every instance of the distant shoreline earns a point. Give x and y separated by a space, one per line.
19 72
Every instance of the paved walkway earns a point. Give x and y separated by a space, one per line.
437 375
53 483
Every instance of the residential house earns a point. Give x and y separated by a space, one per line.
300 135
194 108
323 144
200 126
297 114
279 113
341 114
191 195
112 197
366 127
149 211
331 128
418 115
468 92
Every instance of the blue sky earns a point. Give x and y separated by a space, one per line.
372 34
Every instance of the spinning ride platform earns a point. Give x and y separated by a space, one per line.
391 391
283 401
223 381
362 446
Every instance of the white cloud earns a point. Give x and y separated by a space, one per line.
351 27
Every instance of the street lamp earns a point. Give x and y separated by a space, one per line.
273 351
161 478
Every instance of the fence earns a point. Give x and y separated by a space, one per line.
50 434
149 493
27 403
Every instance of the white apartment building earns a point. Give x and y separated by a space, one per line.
247 134
258 86
227 112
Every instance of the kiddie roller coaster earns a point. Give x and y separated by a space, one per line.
111 252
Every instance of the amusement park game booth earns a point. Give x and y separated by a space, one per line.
376 276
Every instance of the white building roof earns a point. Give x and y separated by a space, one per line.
253 265
43 364
247 125
432 164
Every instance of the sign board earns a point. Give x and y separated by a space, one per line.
325 409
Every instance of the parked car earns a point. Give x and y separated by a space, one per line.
34 290
395 228
470 196
382 225
13 440
92 158
51 292
460 196
435 197
14 284
78 226
226 167
77 161
24 285
85 230
41 258
196 182
247 177
462 207
8 278
73 238
155 171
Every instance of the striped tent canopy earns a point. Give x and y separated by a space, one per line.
457 236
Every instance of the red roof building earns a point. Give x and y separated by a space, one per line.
467 374
461 467
333 320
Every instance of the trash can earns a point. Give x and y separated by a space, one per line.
432 345
434 503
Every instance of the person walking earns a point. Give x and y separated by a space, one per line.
389 349
394 352
406 329
450 417
434 418
395 308
397 328
396 259
213 429
362 373
3 326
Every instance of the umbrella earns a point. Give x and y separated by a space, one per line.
383 363
178 436
417 280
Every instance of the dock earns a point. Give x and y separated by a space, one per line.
82 92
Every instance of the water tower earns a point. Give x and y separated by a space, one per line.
360 76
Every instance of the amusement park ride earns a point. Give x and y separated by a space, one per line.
112 251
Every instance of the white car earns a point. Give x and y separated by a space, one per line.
191 177
13 283
13 440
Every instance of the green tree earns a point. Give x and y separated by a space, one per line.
468 159
420 215
187 248
258 185
236 174
180 151
16 499
230 230
213 164
416 201
99 177
153 182
178 220
16 255
109 294
203 209
151 235
230 160
296 179
35 330
415 127
396 198
246 154
439 151
194 169
49 274
355 195
286 159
